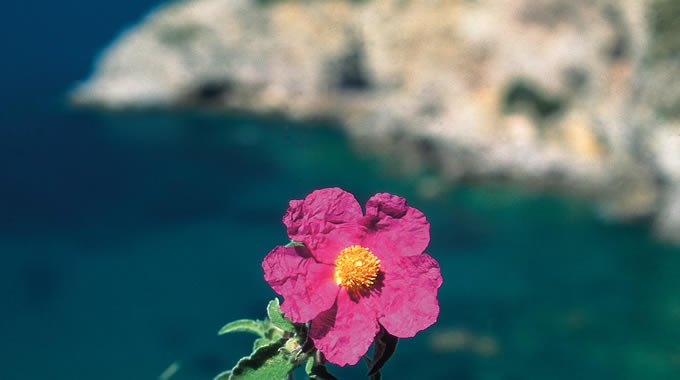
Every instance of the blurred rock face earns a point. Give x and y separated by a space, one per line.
549 93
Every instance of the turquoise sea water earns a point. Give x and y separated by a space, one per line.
128 240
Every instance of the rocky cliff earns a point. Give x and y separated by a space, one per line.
577 96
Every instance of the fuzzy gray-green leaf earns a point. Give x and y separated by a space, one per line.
266 363
294 243
243 325
223 376
309 366
259 342
277 318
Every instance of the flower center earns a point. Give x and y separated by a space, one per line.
356 267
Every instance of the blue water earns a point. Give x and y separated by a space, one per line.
127 240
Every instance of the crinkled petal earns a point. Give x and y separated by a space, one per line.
393 228
307 286
407 302
325 221
345 332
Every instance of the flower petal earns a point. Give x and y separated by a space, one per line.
307 287
345 332
393 228
407 302
324 221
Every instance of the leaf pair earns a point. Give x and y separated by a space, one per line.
267 362
276 319
274 353
283 346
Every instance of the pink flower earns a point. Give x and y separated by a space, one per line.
355 272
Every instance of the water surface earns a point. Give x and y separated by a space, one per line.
127 240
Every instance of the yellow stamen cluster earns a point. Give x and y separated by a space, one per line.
356 268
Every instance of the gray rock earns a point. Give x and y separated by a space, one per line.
551 94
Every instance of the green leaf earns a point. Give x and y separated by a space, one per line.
223 376
309 366
259 342
243 325
316 367
294 243
277 318
271 332
266 363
